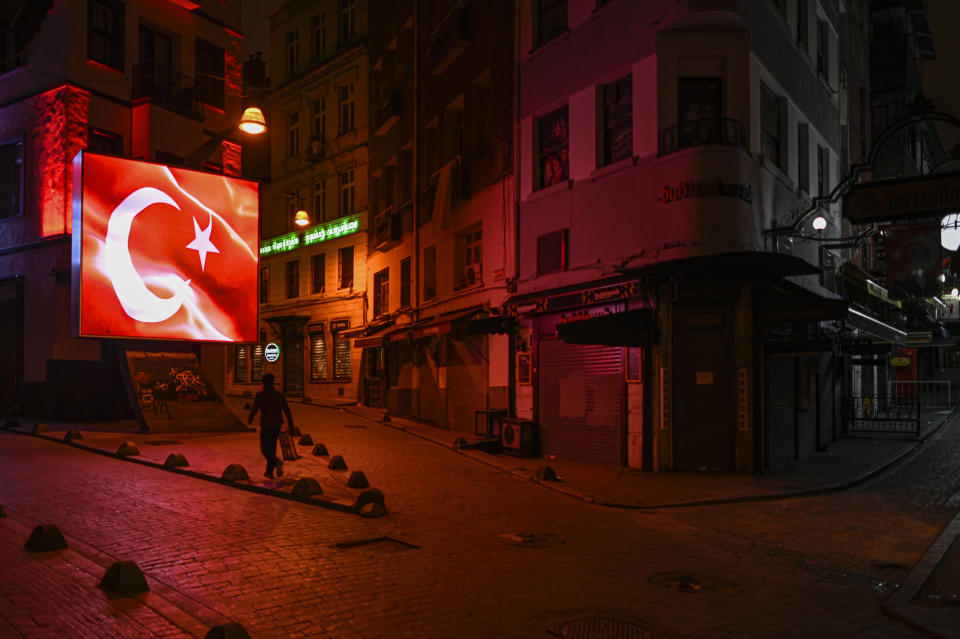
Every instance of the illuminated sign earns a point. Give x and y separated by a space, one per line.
705 188
903 199
162 252
271 352
313 235
330 230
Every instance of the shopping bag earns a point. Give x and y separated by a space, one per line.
287 447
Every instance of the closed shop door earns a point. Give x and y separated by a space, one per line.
11 342
582 399
429 399
780 410
293 358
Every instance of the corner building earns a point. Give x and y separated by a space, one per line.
665 322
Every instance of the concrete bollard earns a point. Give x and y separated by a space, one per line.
305 487
295 432
123 579
234 472
370 503
231 630
337 463
39 428
546 473
358 480
386 418
320 450
128 449
306 440
247 406
72 436
459 443
175 460
46 537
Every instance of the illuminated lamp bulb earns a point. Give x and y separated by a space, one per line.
943 277
252 121
819 223
954 292
301 218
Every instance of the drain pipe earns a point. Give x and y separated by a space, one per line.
512 332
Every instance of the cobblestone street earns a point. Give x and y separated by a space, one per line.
454 557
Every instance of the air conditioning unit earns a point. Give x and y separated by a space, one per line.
519 437
316 147
472 274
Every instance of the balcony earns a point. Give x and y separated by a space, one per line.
725 131
387 114
167 88
317 150
450 38
387 229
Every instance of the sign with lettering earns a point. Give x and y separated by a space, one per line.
705 188
743 405
906 199
339 325
271 352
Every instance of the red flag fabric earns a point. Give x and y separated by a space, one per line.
164 252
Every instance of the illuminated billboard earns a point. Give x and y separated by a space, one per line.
163 252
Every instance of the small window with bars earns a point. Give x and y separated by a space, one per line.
256 366
318 355
341 358
240 363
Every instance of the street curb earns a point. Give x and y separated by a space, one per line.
314 500
806 492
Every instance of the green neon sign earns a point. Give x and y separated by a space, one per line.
331 230
280 244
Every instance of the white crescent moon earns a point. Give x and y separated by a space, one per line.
135 298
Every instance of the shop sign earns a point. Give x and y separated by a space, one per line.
742 404
705 188
899 361
280 244
909 199
271 352
331 230
339 325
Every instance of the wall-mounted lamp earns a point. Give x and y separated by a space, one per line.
301 217
819 223
252 121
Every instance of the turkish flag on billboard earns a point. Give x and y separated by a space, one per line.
162 252
913 256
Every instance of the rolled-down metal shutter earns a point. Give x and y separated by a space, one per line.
293 361
582 395
780 407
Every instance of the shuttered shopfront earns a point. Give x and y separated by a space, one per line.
581 401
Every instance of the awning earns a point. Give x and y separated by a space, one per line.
798 305
636 327
873 326
495 324
371 334
389 332
745 265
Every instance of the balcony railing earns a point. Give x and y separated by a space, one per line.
701 132
166 87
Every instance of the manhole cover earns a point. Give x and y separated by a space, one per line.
377 545
598 627
531 540
163 442
354 426
691 583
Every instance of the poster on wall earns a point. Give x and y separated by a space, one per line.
162 252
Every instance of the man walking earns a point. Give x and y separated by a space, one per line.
272 406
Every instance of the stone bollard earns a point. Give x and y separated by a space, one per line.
306 440
295 432
320 450
459 443
231 630
128 449
175 460
305 487
370 503
358 480
247 406
337 463
46 537
234 472
39 428
72 436
123 579
546 473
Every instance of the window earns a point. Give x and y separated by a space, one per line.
551 19
822 44
552 252
318 270
699 109
452 134
429 273
345 267
320 201
467 261
318 356
348 10
554 148
105 33
405 282
390 184
293 279
240 363
381 292
346 108
802 25
106 142
293 134
341 357
264 285
823 175
291 41
770 126
155 64
256 368
617 121
210 74
318 41
11 179
346 192
319 120
803 157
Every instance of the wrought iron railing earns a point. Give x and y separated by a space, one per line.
165 87
692 133
879 414
932 394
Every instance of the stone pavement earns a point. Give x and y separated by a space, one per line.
366 444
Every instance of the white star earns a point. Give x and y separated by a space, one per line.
201 243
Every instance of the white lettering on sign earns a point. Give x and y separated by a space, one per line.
271 352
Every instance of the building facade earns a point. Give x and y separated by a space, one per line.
312 277
140 79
